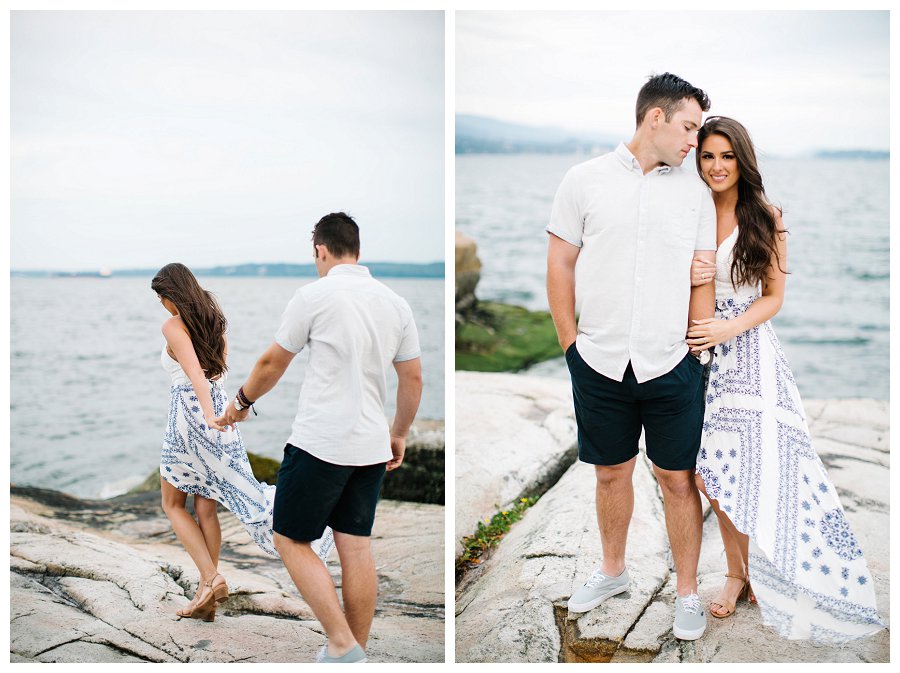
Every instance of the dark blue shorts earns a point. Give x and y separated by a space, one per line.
610 414
312 494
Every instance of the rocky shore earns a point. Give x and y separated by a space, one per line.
513 608
100 581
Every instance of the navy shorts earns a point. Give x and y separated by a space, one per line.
610 414
312 494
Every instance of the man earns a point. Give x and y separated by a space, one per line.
623 231
340 446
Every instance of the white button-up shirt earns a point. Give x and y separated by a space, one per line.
637 235
355 328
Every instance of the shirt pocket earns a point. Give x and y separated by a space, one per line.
680 230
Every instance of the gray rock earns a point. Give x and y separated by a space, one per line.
467 272
86 589
512 609
516 435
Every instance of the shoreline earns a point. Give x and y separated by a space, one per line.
426 440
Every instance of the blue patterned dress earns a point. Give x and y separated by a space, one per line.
757 459
213 464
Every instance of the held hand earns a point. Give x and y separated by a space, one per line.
398 448
213 423
702 272
709 332
231 416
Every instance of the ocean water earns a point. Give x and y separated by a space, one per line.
834 324
89 398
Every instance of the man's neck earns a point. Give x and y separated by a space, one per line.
643 152
338 261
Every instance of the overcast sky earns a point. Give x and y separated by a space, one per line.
141 138
797 80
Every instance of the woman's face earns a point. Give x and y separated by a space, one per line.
168 305
718 163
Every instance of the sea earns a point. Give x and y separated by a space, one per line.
89 398
834 324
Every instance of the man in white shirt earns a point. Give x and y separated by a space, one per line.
340 446
623 231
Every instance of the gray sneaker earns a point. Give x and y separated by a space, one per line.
355 656
690 618
597 589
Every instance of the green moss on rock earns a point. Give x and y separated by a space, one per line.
502 338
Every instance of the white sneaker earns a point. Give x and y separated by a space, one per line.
597 589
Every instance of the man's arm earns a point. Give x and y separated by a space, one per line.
409 392
267 371
561 258
703 297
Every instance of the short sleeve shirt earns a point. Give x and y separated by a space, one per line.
355 328
637 235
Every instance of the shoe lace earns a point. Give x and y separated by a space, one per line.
691 604
596 578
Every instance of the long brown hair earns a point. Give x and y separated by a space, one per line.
200 313
758 231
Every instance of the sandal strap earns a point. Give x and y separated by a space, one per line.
738 577
209 582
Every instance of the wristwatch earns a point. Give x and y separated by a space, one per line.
238 405
703 356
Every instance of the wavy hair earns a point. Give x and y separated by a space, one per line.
200 313
758 231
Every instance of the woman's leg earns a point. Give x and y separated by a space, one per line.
736 546
188 532
208 520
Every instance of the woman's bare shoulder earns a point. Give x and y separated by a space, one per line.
173 326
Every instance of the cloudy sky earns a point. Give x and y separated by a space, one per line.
140 138
797 80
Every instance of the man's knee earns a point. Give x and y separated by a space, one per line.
678 483
612 476
352 546
284 544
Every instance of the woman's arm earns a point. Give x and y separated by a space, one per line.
179 342
708 333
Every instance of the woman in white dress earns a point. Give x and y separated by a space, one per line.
200 457
782 524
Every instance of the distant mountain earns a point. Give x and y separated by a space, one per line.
484 135
378 269
877 155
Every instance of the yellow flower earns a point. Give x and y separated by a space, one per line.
505 513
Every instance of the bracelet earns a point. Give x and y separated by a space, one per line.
243 398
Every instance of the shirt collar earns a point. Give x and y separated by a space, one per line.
632 164
348 270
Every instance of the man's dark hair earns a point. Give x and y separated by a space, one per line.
667 91
339 233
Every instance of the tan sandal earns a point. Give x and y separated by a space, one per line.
745 592
220 591
205 608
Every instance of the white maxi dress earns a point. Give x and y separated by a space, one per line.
212 464
757 459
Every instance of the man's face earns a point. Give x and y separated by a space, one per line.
675 138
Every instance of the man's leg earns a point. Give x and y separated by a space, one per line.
314 582
684 524
359 583
615 504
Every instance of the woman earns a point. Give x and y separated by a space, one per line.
199 456
781 521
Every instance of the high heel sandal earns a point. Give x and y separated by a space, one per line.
745 592
205 608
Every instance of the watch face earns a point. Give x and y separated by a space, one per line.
704 357
237 406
